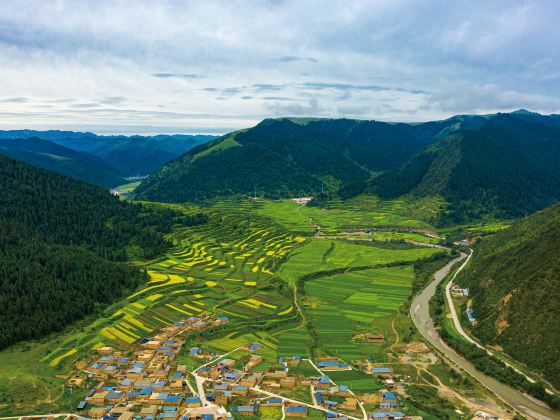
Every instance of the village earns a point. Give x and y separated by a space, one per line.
164 378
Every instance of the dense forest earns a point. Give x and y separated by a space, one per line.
120 155
56 158
515 283
507 168
64 246
282 158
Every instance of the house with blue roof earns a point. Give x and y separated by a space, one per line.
387 415
194 351
318 397
273 402
382 371
173 400
323 382
296 410
330 404
232 376
255 347
192 402
470 315
388 396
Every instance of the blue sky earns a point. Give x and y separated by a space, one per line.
209 66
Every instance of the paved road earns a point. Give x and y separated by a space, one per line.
419 311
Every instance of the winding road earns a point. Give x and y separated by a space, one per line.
419 312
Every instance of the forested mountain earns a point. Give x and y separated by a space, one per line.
48 155
515 284
63 247
506 168
130 155
289 157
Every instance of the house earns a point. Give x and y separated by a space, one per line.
246 410
240 390
384 415
255 347
323 382
388 397
224 398
384 372
173 400
389 383
199 325
296 411
332 365
288 382
97 398
330 404
374 338
250 380
254 360
273 402
192 402
149 411
232 376
97 412
470 315
77 380
81 405
97 367
340 391
318 397
115 397
105 350
350 403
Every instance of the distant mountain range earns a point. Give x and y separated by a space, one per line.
515 285
102 160
290 157
500 165
508 167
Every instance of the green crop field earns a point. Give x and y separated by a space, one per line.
243 264
343 305
322 255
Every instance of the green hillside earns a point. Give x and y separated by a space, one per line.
127 155
53 157
507 168
282 158
515 283
64 247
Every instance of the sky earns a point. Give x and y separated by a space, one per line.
150 67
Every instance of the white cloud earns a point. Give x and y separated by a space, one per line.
164 64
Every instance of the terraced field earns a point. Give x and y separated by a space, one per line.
224 267
242 265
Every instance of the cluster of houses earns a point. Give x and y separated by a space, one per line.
145 384
149 383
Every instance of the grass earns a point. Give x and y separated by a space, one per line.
322 255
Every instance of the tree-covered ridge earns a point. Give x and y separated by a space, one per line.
515 283
128 155
507 168
63 247
285 158
44 287
54 157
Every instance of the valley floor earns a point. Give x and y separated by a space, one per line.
266 298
